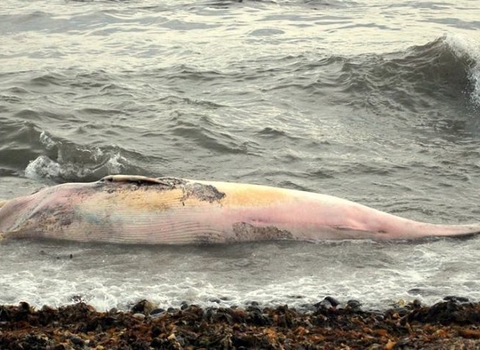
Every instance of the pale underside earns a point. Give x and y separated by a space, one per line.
133 209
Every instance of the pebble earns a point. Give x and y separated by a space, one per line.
138 316
157 312
456 299
354 305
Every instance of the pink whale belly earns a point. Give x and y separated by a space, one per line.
133 209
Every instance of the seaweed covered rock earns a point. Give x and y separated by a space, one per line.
329 324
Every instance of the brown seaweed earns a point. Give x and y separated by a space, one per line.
451 324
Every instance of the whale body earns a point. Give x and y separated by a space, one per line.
141 210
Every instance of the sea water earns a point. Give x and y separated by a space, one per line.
373 101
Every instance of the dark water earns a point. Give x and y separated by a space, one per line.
374 101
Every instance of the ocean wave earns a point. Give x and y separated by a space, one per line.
440 66
45 168
20 142
405 88
203 132
464 47
405 80
61 160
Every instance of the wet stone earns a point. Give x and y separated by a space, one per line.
144 307
456 299
157 312
138 316
334 302
417 304
324 304
402 311
77 341
354 305
4 314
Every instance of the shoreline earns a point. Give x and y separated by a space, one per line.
450 324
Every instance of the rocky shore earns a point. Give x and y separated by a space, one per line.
451 324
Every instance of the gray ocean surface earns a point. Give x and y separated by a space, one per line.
374 101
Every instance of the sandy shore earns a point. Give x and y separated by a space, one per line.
451 324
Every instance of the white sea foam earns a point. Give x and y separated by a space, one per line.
46 140
71 161
463 46
475 79
107 276
115 163
43 167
